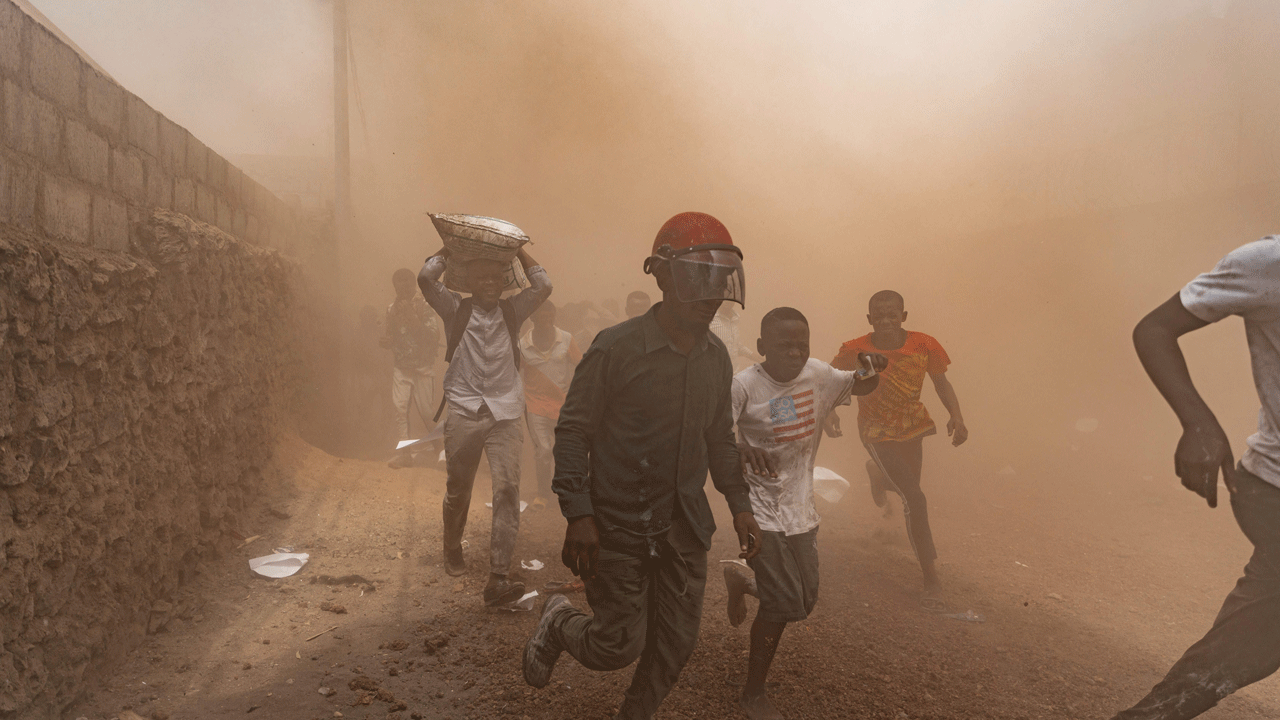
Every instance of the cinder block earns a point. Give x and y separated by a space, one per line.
159 184
251 229
22 194
218 172
110 223
206 209
235 181
87 154
55 69
143 126
66 208
32 125
223 220
127 176
173 147
105 101
197 159
12 21
184 196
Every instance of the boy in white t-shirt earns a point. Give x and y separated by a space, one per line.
1243 646
779 405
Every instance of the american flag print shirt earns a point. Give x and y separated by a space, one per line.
785 420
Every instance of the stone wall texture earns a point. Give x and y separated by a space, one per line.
139 396
148 298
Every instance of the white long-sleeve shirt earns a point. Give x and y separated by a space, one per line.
483 370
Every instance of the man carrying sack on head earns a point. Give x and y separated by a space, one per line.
482 386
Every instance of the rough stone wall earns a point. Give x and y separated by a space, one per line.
139 395
83 159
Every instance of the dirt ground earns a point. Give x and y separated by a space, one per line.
1091 579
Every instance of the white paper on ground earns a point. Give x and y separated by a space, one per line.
531 564
406 443
828 485
523 505
278 565
524 604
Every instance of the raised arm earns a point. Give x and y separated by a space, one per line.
1203 448
441 299
528 300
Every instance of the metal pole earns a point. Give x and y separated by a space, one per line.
341 125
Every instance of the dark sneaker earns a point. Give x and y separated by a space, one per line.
542 650
501 592
453 563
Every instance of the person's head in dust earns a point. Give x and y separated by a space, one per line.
697 268
638 303
886 311
784 343
405 281
544 318
486 279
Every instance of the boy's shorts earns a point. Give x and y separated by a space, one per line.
786 575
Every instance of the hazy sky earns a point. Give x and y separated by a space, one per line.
245 76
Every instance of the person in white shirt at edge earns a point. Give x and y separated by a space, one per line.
779 405
486 403
550 356
1243 646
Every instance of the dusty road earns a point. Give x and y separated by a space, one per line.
1091 580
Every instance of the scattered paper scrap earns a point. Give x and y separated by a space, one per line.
278 565
531 564
523 505
828 485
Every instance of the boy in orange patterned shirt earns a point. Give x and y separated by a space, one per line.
892 422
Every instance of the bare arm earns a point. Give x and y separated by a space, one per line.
947 394
441 299
1203 448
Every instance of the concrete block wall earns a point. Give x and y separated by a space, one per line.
84 160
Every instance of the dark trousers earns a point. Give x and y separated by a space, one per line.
646 607
1243 646
900 462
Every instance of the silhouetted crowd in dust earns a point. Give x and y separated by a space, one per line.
630 408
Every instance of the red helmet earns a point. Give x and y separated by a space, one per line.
689 229
705 264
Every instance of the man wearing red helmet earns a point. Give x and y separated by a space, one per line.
647 415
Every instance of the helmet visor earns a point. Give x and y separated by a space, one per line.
710 274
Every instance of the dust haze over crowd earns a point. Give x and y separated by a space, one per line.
1033 177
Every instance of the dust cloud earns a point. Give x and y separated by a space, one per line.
1033 177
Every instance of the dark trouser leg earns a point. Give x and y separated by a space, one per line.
643 607
1243 646
463 441
614 636
675 615
502 446
900 462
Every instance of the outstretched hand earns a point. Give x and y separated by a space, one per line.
581 551
831 426
1202 451
879 361
748 535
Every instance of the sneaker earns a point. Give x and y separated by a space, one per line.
542 650
454 565
739 584
501 591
